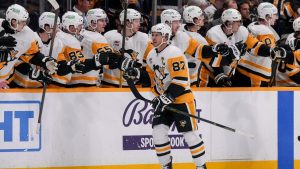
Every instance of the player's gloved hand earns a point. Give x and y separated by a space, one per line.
277 53
107 58
294 43
133 54
234 52
50 64
5 55
126 63
160 102
132 73
8 41
221 48
7 28
242 47
223 80
76 66
39 75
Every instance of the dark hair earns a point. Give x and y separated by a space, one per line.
226 3
242 3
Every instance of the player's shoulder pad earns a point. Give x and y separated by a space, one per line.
69 40
173 51
243 32
142 35
258 29
215 32
182 35
94 37
112 34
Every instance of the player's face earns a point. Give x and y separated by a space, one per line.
18 25
273 19
235 26
156 39
101 24
74 30
136 24
175 26
199 21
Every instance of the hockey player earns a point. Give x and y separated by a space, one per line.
167 70
26 48
27 75
194 19
191 48
6 44
264 71
296 33
289 71
72 38
93 41
239 39
137 45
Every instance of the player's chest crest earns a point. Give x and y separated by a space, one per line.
160 68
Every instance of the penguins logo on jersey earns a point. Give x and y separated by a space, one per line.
160 72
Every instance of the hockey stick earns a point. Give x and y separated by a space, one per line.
137 94
125 5
56 8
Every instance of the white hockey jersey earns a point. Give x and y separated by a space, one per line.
73 51
22 78
261 66
25 49
92 43
188 45
167 67
139 42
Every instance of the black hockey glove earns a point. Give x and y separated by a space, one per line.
277 53
5 55
221 48
132 73
107 58
126 63
133 54
76 66
50 64
160 102
223 80
7 28
39 75
8 41
294 43
242 47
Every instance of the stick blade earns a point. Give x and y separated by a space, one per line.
38 127
245 134
54 4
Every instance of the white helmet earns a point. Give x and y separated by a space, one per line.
170 15
17 12
191 12
162 28
231 15
47 18
131 15
95 14
265 9
71 18
296 24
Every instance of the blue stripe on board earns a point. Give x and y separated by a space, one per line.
285 130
